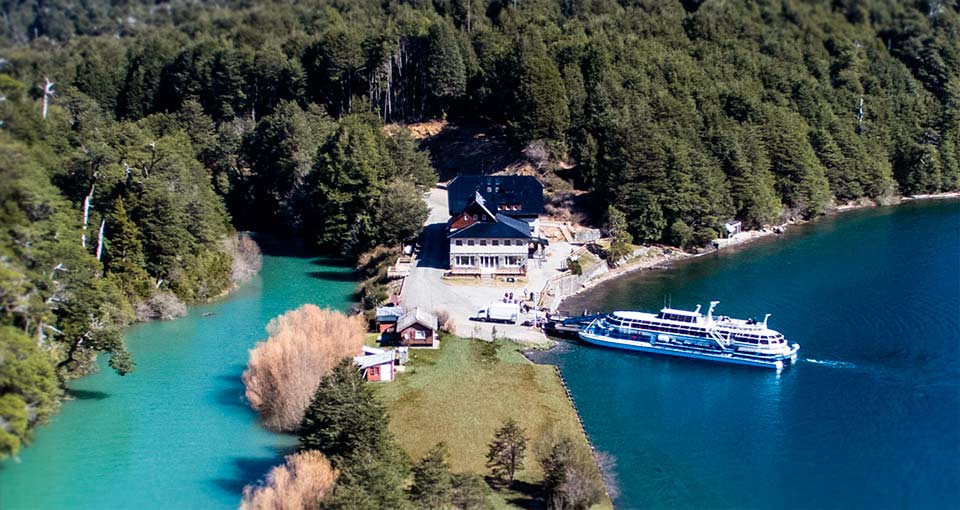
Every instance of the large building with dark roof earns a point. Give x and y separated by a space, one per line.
493 231
517 196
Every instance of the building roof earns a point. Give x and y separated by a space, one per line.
523 191
732 225
417 315
389 313
504 227
372 360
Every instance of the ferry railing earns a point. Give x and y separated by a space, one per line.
723 342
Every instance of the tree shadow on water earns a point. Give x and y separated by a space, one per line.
230 389
250 470
333 262
87 394
334 276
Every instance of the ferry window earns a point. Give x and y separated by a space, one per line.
764 341
459 242
483 242
469 242
495 242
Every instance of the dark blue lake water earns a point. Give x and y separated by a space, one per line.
870 416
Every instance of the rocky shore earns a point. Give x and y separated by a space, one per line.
658 256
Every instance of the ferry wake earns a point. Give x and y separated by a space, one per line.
693 335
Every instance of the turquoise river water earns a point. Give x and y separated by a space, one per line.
175 433
868 418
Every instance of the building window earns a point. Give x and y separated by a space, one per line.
463 261
419 334
483 242
488 189
519 242
469 242
484 217
459 242
495 242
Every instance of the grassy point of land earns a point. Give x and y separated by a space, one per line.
461 393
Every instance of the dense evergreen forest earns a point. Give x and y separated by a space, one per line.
137 138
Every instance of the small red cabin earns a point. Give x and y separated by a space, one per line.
418 328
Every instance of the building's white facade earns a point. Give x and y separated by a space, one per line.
489 256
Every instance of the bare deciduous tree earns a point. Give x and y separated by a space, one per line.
446 322
162 306
247 259
86 216
299 484
284 370
103 224
47 94
607 463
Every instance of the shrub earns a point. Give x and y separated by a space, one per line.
571 477
607 463
488 350
284 370
704 236
680 234
446 322
299 484
574 266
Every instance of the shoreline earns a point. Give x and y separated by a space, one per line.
669 255
666 259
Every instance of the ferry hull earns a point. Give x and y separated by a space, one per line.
723 357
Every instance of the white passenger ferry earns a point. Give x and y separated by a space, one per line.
693 335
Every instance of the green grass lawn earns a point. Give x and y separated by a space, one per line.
461 393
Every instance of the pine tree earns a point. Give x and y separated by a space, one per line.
801 179
348 424
446 73
432 484
620 238
506 451
541 110
402 212
347 183
124 253
752 184
344 416
413 164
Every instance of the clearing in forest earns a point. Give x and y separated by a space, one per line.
461 393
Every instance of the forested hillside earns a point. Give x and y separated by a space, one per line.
170 126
